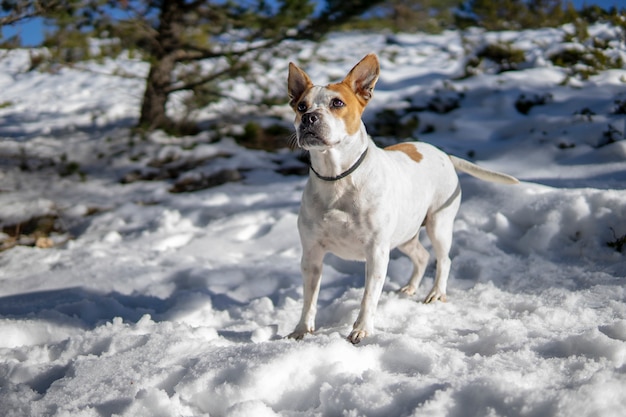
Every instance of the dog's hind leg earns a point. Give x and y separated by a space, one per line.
439 226
419 257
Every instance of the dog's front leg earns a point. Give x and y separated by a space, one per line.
375 273
311 265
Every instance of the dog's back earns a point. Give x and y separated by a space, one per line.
425 173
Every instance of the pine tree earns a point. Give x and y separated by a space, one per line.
171 34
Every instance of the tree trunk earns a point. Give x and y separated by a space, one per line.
167 42
153 107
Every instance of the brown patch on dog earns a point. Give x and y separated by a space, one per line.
352 109
408 149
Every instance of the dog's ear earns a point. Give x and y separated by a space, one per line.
297 83
362 78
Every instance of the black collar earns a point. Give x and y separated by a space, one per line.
343 174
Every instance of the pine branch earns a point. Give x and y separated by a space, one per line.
206 79
190 53
24 9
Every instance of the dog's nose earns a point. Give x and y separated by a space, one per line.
309 119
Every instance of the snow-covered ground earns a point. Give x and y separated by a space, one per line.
152 303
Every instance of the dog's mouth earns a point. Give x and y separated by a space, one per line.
310 141
311 138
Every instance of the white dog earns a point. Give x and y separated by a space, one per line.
362 201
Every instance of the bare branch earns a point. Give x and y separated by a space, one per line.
206 79
23 10
195 53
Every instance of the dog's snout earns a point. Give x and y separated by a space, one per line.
309 119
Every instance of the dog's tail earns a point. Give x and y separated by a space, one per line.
482 173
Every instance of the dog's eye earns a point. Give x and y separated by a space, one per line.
336 103
302 106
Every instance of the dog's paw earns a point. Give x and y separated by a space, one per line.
407 289
435 295
299 332
356 336
296 335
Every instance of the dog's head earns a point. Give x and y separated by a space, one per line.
327 115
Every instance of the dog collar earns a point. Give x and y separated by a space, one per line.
345 173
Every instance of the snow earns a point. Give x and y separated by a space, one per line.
160 304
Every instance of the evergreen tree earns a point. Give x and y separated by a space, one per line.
175 35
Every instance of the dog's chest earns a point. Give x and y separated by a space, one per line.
342 224
344 211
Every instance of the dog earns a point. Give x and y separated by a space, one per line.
362 201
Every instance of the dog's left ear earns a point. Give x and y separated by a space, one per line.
362 78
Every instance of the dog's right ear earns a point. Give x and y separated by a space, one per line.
362 78
297 83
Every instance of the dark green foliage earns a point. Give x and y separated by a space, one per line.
492 14
395 124
610 135
620 106
584 56
181 128
501 55
69 168
524 103
617 243
402 124
585 62
564 145
441 101
191 184
430 16
268 138
595 13
528 14
586 113
571 56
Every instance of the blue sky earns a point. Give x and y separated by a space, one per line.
33 31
